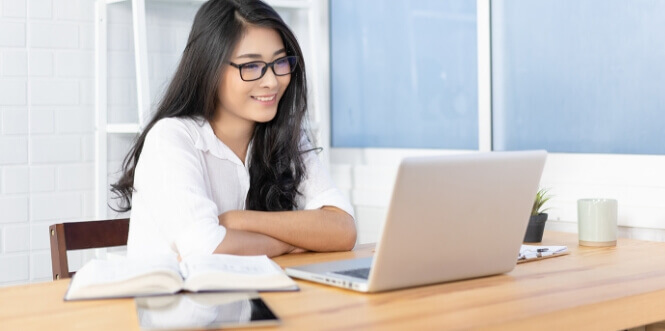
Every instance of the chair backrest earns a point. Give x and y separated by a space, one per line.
83 235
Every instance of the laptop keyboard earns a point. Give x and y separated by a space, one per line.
362 273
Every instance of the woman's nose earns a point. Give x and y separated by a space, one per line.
269 79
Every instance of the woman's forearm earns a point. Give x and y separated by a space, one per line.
325 229
238 242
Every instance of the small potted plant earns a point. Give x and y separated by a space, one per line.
534 232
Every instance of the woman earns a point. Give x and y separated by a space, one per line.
225 165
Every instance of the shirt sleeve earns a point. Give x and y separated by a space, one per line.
318 188
171 180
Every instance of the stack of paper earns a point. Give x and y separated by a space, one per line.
530 252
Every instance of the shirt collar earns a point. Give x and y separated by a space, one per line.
208 141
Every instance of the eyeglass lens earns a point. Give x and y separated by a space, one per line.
280 67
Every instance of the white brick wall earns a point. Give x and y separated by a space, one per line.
15 122
88 147
87 92
14 208
56 206
53 35
55 149
74 121
14 268
75 177
54 92
12 91
15 63
77 10
40 8
40 266
47 115
15 180
74 64
40 63
41 121
13 8
39 236
16 239
13 34
42 179
86 36
14 150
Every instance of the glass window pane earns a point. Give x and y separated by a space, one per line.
579 76
404 74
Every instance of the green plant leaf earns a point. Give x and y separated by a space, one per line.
542 197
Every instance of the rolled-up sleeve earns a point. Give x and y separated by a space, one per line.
170 181
318 188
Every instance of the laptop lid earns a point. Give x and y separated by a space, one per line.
450 218
456 217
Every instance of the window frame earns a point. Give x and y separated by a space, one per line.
570 176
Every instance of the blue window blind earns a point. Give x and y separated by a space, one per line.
579 76
404 74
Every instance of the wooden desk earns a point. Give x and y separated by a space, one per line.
591 288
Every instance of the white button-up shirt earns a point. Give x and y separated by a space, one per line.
186 177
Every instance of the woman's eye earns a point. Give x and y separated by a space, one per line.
251 66
283 65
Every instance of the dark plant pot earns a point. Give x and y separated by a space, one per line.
534 232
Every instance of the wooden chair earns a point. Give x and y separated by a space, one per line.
83 235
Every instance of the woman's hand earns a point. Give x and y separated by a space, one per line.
296 250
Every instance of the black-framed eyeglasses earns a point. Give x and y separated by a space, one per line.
256 69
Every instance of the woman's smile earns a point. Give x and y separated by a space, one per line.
267 100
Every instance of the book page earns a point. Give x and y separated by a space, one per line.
232 272
242 265
125 277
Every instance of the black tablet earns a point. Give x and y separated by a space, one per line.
204 311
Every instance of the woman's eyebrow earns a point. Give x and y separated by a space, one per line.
258 56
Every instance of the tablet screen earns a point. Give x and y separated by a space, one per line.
203 311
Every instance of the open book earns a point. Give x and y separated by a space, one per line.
164 275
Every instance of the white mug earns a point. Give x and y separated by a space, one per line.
597 222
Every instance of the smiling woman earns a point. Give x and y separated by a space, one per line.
250 94
225 165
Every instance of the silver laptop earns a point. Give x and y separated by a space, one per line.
450 218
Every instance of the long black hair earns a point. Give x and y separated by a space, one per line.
276 165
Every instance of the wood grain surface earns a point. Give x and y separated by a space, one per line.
592 288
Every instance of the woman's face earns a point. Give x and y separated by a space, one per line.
254 101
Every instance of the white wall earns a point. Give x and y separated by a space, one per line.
46 155
47 115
